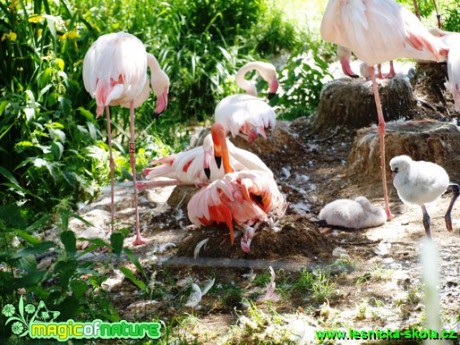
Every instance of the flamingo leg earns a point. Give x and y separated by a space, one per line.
382 141
456 192
392 72
112 168
426 221
132 157
379 70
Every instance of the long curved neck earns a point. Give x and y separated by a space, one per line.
226 157
158 79
153 63
245 84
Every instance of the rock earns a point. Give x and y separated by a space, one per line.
100 224
350 103
428 140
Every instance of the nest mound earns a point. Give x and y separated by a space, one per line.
350 103
427 140
430 79
297 237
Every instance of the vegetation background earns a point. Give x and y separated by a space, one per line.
53 150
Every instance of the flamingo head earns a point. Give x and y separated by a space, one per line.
162 103
160 85
218 134
273 87
219 139
208 149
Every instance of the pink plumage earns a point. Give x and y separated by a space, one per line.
243 197
246 114
115 73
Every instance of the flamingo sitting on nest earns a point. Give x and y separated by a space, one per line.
115 73
244 197
197 166
378 31
246 114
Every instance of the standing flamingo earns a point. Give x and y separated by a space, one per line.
246 114
419 183
344 55
378 31
197 166
115 73
246 196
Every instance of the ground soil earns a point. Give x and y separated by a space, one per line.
379 286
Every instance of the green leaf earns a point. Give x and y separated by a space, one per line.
27 237
40 248
26 263
133 258
116 240
79 287
58 149
39 223
12 216
66 270
130 275
31 279
70 242
3 106
86 113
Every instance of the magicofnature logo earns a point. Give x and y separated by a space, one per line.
39 323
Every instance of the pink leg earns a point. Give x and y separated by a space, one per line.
382 141
379 71
112 168
392 72
132 157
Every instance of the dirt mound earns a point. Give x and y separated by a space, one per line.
297 237
279 140
429 82
350 103
427 140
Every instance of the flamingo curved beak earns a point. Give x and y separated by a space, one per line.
346 68
162 103
272 88
207 162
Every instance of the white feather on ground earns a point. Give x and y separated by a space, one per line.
352 214
197 294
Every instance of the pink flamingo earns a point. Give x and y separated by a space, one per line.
246 114
197 166
378 31
115 73
452 40
246 196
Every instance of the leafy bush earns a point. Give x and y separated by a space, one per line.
302 80
451 20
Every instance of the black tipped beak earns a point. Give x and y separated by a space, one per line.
218 161
207 172
271 95
156 115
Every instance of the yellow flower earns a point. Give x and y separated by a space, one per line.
73 34
35 18
70 35
11 36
